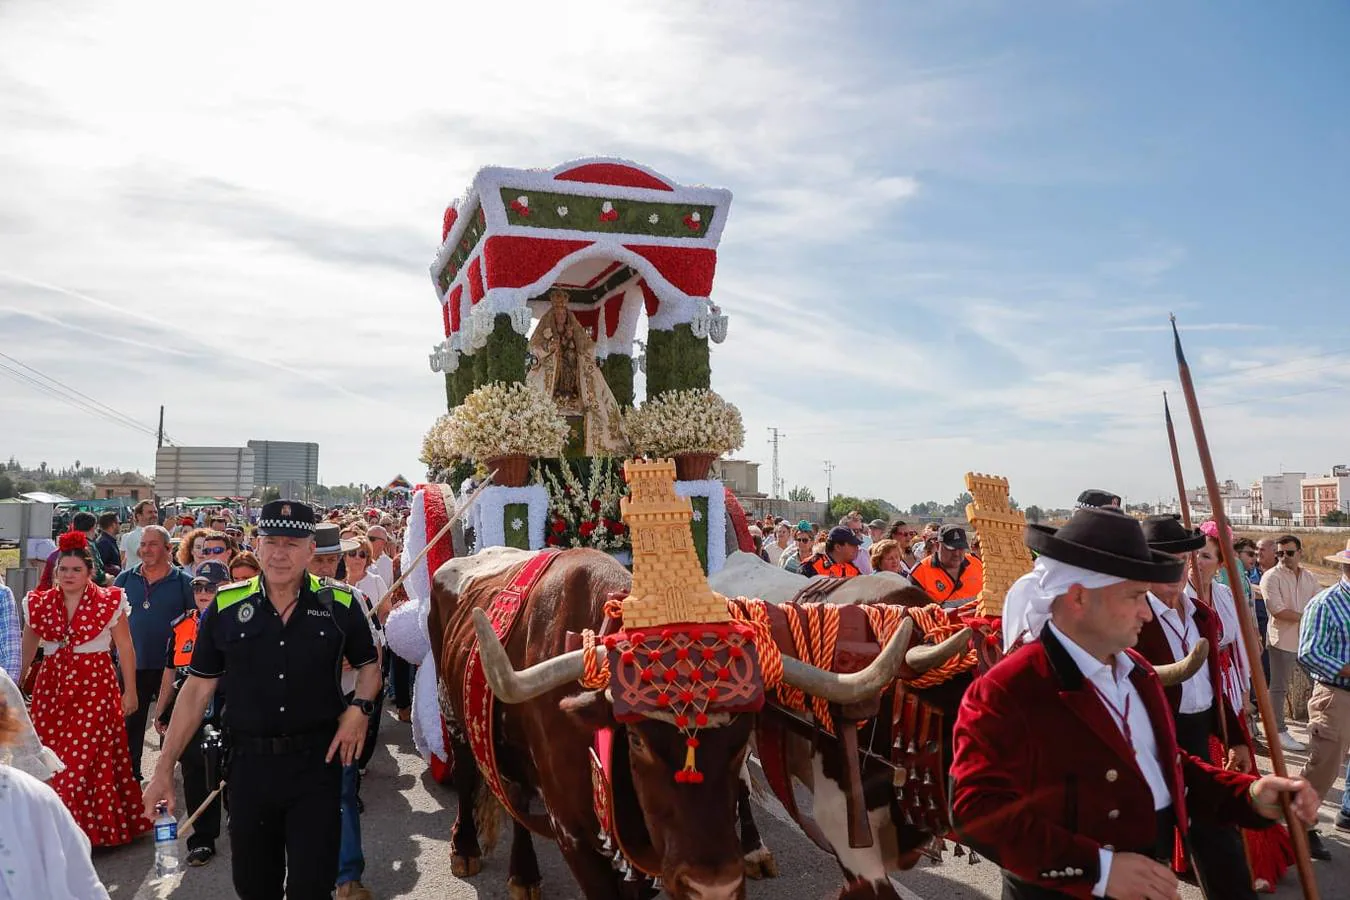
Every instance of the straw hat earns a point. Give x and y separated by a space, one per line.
1342 558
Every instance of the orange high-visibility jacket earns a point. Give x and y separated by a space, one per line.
937 584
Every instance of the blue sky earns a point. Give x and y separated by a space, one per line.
957 229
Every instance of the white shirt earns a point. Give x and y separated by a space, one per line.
45 854
1197 694
384 567
1114 682
775 552
130 545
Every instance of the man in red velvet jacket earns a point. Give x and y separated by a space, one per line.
1066 770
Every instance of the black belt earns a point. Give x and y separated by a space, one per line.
281 744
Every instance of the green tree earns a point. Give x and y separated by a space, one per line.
958 506
1034 514
801 494
842 505
271 493
1336 517
6 487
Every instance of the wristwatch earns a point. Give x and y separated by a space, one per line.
366 706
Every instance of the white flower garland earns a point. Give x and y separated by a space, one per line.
715 493
489 513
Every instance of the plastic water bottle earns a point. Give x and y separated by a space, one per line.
166 842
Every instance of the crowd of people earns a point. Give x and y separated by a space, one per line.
105 644
177 634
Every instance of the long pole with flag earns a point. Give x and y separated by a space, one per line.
1246 619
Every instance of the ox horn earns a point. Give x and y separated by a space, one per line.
1175 673
923 657
856 686
511 686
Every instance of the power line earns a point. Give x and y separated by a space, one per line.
85 400
70 396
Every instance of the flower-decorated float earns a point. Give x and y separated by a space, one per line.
544 278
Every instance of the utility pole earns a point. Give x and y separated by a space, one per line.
161 427
829 484
777 489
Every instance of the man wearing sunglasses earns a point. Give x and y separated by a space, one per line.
1287 588
197 779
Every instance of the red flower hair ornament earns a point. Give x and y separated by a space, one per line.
73 540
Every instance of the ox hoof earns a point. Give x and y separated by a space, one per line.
520 891
465 866
760 864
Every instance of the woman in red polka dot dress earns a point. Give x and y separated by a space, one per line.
78 709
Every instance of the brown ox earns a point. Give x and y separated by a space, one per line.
686 832
903 824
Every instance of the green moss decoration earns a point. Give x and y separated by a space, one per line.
699 529
451 398
516 537
505 352
618 371
676 361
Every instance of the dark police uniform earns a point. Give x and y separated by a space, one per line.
285 700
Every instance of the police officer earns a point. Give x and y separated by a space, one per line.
276 643
198 778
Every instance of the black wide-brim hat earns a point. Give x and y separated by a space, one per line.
1166 533
1105 540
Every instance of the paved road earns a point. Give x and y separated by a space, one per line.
407 828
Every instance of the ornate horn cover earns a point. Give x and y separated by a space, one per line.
680 654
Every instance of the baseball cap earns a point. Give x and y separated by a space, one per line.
953 537
842 534
211 572
879 524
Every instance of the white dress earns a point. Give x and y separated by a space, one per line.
43 853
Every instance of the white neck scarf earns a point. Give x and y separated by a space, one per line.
1027 606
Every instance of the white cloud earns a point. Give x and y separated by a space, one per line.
232 215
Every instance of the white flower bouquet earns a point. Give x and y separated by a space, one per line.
497 419
693 421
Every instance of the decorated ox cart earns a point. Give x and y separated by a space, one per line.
596 652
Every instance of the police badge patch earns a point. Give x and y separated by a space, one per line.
187 646
245 613
939 585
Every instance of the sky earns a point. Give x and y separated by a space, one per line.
957 230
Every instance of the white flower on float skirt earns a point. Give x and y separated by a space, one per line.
562 211
653 218
517 524
607 206
698 515
523 201
695 217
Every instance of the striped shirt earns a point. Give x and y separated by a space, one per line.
1324 636
10 643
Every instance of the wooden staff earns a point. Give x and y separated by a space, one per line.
1176 466
468 504
1247 622
201 809
1185 505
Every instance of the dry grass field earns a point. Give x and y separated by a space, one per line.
8 559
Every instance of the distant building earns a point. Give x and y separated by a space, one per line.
131 486
741 475
1278 498
1327 494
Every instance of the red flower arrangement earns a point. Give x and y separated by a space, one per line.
73 540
